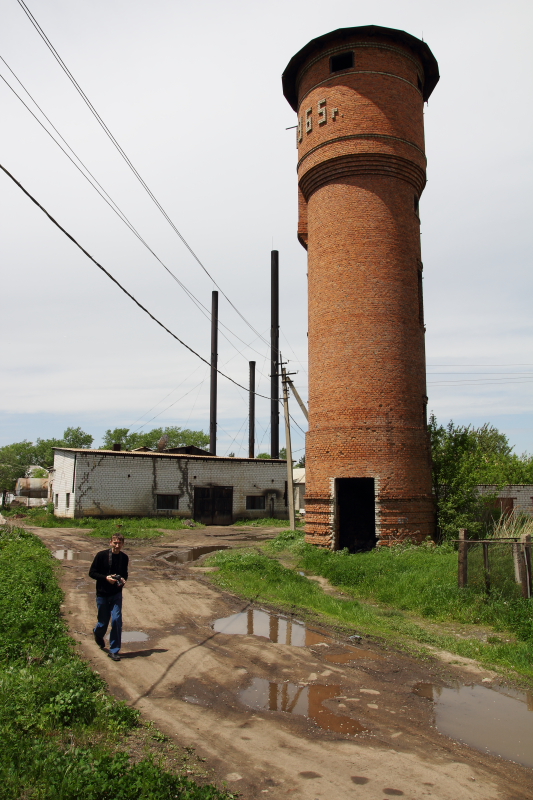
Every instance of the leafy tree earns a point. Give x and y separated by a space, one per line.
17 458
75 437
177 437
464 457
282 454
14 461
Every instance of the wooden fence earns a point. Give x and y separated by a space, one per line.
520 550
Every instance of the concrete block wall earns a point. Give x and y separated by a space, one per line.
62 483
109 483
520 494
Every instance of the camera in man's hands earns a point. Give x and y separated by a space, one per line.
119 580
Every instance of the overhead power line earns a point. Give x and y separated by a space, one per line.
122 288
123 155
97 186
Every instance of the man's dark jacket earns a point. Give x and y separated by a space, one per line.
101 568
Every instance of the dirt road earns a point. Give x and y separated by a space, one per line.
277 709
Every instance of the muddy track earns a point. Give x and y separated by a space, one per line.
285 711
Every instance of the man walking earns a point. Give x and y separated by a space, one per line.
110 571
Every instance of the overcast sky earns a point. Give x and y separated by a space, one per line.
192 93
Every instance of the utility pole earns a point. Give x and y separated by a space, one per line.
251 428
299 399
274 354
214 375
290 486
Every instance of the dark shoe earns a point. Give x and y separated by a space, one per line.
99 641
114 656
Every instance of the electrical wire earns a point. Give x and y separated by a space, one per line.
97 186
122 288
494 382
478 365
115 143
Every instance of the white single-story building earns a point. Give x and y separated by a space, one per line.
213 490
514 497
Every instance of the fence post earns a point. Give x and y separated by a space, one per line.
517 555
463 558
525 541
486 565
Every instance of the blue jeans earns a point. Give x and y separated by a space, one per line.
110 608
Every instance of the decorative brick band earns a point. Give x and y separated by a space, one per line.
362 164
359 136
357 72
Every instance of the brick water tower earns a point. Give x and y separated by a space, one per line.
359 95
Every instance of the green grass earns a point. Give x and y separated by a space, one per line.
390 592
264 522
60 731
131 527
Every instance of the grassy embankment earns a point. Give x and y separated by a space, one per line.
62 735
405 594
131 527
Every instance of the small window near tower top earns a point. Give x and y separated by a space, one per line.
416 205
420 84
342 61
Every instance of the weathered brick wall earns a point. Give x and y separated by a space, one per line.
122 483
361 171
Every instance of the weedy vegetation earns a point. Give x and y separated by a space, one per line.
60 731
266 522
406 594
131 527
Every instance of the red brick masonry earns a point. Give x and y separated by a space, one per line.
361 171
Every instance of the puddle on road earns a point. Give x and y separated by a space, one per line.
191 554
134 636
282 630
304 701
499 722
72 555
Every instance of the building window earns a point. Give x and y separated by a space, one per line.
56 500
167 502
417 206
420 84
255 502
67 500
341 61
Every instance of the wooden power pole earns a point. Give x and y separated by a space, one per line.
290 485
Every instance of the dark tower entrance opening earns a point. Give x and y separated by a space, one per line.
356 514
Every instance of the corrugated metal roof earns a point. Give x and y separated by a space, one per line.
157 454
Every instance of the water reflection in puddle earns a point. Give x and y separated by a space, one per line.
191 554
497 721
304 701
134 636
72 555
281 630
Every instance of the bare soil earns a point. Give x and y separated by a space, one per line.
189 680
